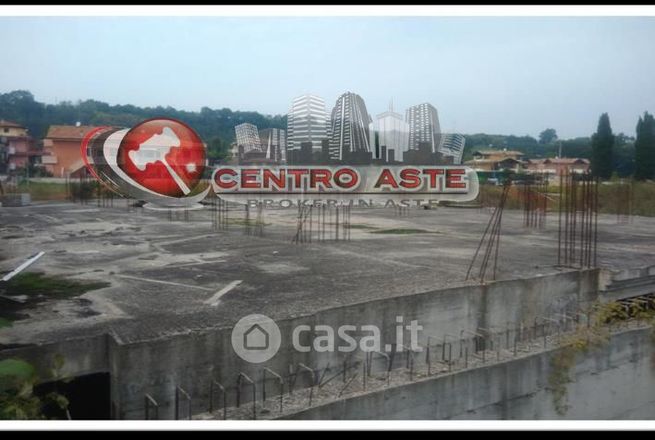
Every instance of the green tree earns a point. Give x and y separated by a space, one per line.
217 149
548 136
602 143
645 148
17 398
20 106
624 155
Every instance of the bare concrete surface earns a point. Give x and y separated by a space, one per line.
173 276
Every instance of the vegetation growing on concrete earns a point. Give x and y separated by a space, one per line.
563 361
360 226
17 398
31 288
403 231
587 338
40 285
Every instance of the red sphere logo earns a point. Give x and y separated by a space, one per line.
163 155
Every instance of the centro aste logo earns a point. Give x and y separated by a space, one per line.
257 338
160 160
347 182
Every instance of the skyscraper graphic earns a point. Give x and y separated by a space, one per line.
248 137
274 143
349 130
306 122
423 122
452 144
392 133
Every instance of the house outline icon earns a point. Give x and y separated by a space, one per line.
252 338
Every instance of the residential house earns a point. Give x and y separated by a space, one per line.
17 148
558 165
496 160
62 154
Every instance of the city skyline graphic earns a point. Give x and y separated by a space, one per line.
348 134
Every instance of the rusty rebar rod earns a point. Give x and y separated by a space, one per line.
212 385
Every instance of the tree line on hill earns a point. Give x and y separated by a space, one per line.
609 154
215 126
623 161
604 149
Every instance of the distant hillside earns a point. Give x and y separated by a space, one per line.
576 147
215 126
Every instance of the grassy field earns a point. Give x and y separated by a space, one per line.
42 190
611 198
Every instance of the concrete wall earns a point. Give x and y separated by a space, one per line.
82 356
620 284
616 381
192 360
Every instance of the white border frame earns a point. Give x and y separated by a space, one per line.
314 425
329 11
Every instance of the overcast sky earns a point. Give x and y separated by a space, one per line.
494 75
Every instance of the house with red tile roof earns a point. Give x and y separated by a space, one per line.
61 150
557 165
